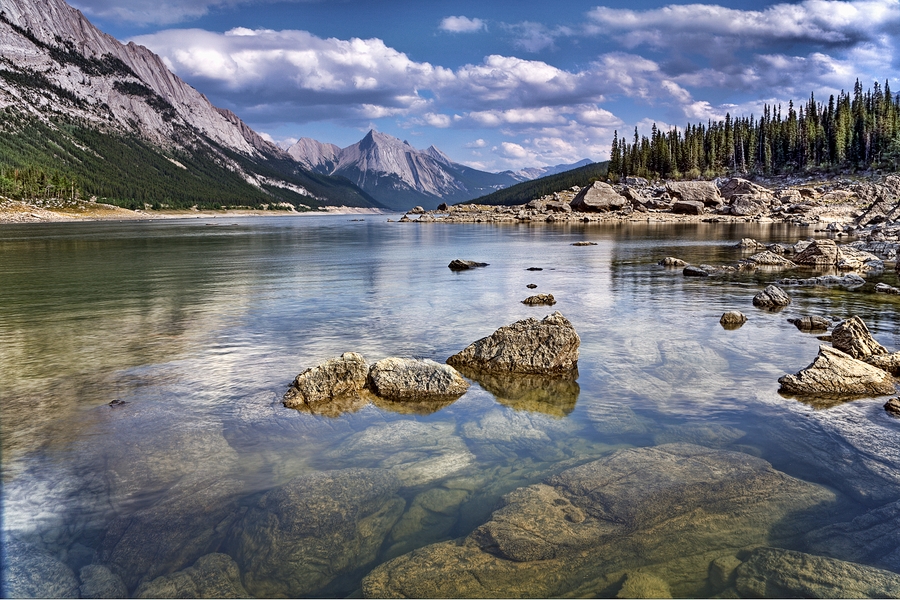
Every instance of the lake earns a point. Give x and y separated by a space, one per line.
142 367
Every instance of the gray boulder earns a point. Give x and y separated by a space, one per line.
598 197
704 192
337 377
732 319
808 323
747 206
526 346
302 536
212 576
412 379
771 297
97 581
694 271
688 207
30 573
464 265
837 374
777 573
852 337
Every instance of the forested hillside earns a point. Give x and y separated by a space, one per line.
528 190
853 131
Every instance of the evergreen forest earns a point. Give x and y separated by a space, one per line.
522 193
851 132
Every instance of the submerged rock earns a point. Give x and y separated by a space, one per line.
27 572
413 379
870 538
852 337
553 395
732 319
335 378
97 581
464 265
777 573
526 346
808 323
625 513
212 576
540 300
850 281
771 297
694 271
835 373
302 536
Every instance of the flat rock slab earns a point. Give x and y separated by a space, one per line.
776 573
412 379
834 373
634 508
301 536
526 346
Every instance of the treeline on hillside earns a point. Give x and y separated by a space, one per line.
858 131
522 193
73 161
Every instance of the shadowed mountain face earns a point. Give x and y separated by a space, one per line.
58 71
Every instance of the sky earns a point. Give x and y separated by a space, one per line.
507 84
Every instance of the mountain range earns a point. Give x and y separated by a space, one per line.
113 118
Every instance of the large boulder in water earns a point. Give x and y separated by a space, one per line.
852 337
834 373
303 535
634 509
820 253
772 297
527 346
415 379
332 379
598 197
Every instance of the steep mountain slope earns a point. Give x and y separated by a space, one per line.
528 190
73 100
399 175
536 172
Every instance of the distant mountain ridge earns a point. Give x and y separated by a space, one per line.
401 176
62 76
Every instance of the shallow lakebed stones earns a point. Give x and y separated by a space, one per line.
528 346
773 297
212 576
834 373
303 535
629 511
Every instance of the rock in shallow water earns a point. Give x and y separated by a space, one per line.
332 379
772 297
852 337
834 373
634 508
30 573
212 576
526 346
464 265
97 581
303 535
412 379
732 319
777 573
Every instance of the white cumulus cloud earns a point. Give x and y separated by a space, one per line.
462 25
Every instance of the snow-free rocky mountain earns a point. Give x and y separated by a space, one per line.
89 99
399 175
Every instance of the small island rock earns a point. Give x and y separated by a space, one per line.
671 261
732 319
893 406
808 323
464 265
527 346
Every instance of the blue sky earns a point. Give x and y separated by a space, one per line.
500 85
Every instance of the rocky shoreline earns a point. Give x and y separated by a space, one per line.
842 204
